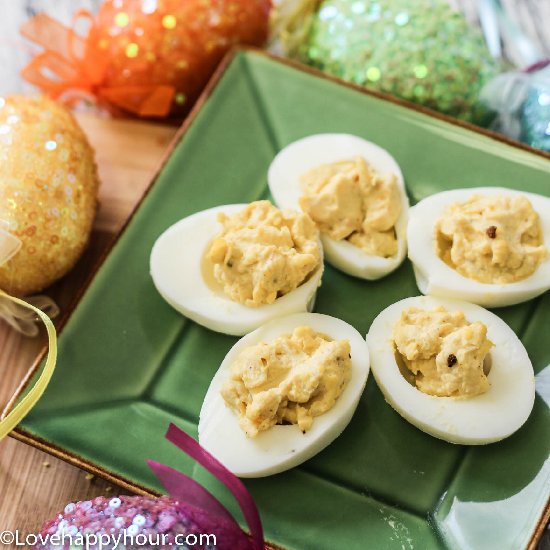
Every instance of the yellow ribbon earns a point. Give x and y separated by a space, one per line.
8 423
9 246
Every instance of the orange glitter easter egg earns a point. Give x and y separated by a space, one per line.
175 42
48 191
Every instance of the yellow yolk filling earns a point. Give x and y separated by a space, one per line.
288 381
443 351
494 240
349 200
263 253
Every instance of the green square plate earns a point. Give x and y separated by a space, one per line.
129 364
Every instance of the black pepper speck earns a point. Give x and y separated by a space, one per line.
491 232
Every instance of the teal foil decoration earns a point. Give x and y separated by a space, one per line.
535 117
521 101
421 51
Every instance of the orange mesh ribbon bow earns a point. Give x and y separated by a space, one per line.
73 63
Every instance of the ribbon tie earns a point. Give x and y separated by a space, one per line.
72 64
194 497
22 316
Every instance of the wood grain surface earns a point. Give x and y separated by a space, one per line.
33 485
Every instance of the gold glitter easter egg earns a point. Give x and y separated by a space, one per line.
48 191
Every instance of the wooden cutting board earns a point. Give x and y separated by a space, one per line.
33 485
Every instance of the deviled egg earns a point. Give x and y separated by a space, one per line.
233 268
283 393
451 368
487 245
355 192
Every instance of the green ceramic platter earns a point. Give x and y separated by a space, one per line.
129 364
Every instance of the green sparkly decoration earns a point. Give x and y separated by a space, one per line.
373 74
422 51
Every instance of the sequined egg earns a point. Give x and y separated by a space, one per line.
175 43
48 191
134 522
422 51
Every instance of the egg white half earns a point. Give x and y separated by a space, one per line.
284 446
176 269
435 277
485 418
307 153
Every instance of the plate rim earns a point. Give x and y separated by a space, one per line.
27 437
